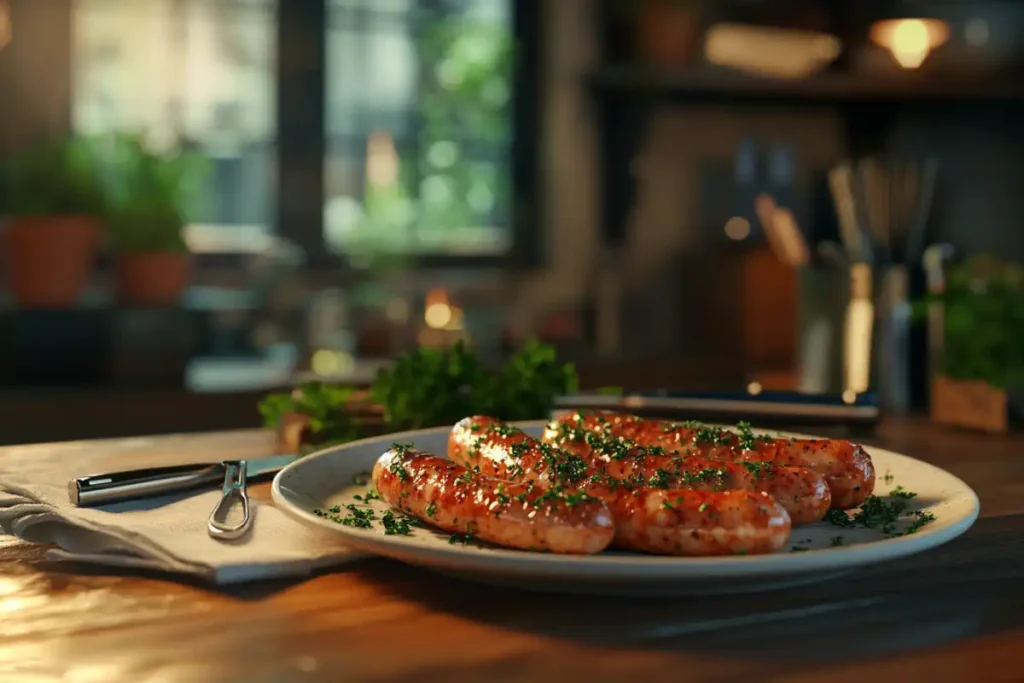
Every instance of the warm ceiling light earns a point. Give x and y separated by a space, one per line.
910 40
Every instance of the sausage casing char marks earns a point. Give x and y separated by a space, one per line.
846 467
508 453
455 499
649 518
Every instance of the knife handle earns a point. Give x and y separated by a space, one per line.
100 489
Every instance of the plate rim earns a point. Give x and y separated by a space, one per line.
624 567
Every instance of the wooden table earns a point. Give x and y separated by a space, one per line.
955 613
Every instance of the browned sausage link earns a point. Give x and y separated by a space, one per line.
697 523
522 516
847 467
503 451
498 449
681 522
803 492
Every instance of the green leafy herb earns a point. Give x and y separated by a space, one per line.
983 323
884 515
55 178
747 441
357 517
759 469
152 194
395 526
323 405
431 387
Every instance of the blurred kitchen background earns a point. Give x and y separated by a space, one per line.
743 195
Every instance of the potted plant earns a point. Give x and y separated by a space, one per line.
666 32
982 361
52 201
150 194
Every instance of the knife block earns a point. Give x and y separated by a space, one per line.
744 305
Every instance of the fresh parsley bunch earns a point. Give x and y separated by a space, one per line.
323 405
432 387
429 386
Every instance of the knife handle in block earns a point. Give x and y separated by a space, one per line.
101 489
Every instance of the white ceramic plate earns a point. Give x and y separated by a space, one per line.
326 479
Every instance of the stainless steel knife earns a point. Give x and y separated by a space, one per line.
101 489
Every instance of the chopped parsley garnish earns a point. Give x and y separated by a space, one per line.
356 517
400 451
661 479
703 476
500 494
759 469
371 494
878 513
395 526
710 436
464 478
900 492
461 539
503 429
746 436
431 509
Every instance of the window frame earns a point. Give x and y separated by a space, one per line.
303 141
300 144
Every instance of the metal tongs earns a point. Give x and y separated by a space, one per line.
234 488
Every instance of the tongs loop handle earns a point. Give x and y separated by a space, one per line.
234 487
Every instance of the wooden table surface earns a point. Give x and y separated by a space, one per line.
955 613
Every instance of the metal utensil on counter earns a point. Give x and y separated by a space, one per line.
784 235
235 488
765 408
855 242
102 489
891 203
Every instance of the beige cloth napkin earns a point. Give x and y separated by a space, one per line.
166 533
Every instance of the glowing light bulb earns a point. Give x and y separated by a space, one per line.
910 40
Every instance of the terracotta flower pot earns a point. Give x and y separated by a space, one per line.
667 35
50 258
155 278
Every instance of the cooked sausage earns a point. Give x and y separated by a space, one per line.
663 520
455 499
697 523
508 453
846 466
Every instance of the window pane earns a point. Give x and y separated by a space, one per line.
418 125
196 71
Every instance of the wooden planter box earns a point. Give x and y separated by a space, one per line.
969 403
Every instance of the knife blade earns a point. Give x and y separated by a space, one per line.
101 489
764 409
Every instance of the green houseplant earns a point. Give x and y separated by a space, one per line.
53 203
982 360
150 195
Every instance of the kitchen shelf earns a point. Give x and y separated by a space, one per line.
714 84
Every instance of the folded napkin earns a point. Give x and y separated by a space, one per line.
167 533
